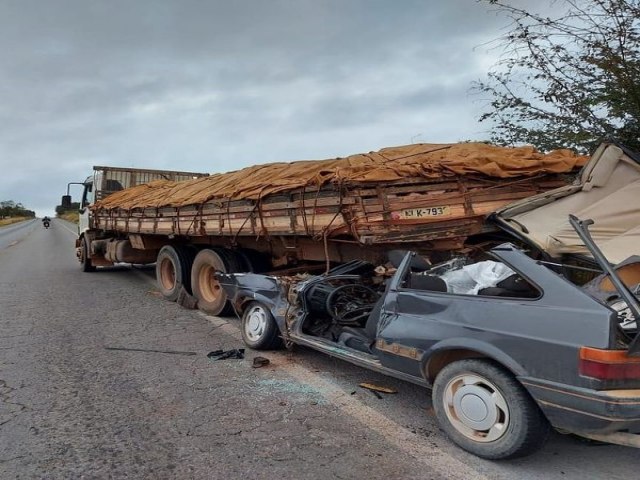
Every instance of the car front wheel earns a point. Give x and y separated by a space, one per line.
484 410
259 328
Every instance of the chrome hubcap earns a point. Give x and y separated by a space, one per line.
256 323
476 408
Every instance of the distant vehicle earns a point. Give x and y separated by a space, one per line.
508 346
46 221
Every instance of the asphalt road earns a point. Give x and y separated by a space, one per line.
71 408
16 231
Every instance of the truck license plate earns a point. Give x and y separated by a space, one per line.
418 213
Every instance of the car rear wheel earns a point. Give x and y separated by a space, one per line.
259 328
484 410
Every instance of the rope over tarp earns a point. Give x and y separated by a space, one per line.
426 161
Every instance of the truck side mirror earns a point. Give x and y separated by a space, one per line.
66 201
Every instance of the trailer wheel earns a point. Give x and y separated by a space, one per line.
486 411
85 258
173 270
211 297
254 261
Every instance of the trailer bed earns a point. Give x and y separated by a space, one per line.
434 195
440 213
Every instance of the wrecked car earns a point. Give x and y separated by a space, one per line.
508 346
512 340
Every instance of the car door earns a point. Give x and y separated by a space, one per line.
417 323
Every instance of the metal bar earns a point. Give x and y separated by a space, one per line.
145 170
573 267
73 183
149 350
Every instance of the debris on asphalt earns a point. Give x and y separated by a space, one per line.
259 362
377 388
186 300
234 353
376 394
150 350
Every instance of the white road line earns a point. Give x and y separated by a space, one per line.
433 457
59 222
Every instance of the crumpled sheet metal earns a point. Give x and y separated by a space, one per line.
426 161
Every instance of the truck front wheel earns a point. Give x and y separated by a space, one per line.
85 258
173 270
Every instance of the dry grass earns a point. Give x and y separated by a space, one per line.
9 221
70 217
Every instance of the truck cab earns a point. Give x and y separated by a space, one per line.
108 180
103 182
88 198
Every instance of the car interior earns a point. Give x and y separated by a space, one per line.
344 306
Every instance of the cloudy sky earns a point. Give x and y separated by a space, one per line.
215 85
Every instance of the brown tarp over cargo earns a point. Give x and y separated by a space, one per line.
426 161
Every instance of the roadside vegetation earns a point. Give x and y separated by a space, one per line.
8 221
12 212
68 212
566 80
70 216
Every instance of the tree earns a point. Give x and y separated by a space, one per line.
9 208
73 207
569 80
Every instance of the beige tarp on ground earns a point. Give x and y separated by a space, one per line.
429 161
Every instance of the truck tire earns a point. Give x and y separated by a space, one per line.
85 258
211 298
173 270
484 409
254 261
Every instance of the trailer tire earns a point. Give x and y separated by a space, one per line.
232 260
254 261
173 270
211 298
85 258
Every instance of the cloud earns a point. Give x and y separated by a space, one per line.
216 85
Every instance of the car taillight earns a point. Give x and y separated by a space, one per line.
608 364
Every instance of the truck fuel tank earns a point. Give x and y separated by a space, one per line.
121 251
